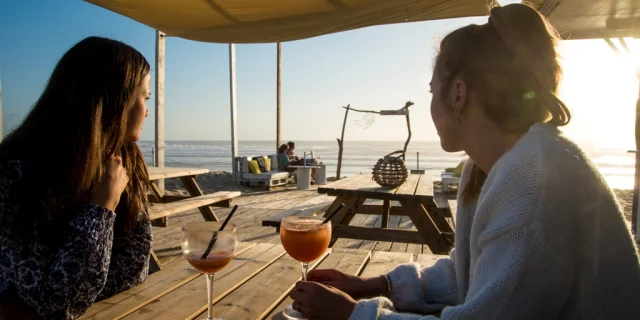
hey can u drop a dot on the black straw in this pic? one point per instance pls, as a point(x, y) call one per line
point(333, 214)
point(214, 238)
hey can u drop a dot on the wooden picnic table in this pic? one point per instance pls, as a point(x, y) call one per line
point(414, 199)
point(188, 178)
point(255, 285)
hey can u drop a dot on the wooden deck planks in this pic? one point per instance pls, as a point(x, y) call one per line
point(158, 284)
point(262, 292)
point(181, 302)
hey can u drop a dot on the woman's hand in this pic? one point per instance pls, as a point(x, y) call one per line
point(113, 182)
point(354, 286)
point(317, 301)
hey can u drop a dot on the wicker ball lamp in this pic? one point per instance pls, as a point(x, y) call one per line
point(391, 170)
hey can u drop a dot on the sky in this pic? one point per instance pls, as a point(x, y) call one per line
point(372, 68)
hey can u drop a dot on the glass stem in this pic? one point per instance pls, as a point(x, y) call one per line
point(305, 269)
point(209, 295)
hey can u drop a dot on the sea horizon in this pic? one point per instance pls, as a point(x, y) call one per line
point(615, 163)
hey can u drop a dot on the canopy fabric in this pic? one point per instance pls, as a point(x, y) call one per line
point(593, 19)
point(261, 21)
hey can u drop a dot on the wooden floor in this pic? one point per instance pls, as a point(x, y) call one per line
point(254, 207)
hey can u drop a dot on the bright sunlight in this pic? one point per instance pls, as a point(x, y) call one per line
point(601, 89)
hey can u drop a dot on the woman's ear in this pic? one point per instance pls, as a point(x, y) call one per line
point(459, 96)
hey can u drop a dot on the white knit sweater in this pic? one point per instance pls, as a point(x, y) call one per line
point(546, 239)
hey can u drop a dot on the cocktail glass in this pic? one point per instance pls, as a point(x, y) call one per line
point(305, 239)
point(196, 238)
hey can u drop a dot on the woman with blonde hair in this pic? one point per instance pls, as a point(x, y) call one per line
point(74, 227)
point(539, 233)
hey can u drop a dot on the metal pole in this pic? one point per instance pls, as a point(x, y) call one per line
point(278, 95)
point(159, 92)
point(233, 103)
point(418, 160)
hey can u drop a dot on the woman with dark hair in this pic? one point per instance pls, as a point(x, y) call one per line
point(539, 233)
point(74, 226)
point(283, 159)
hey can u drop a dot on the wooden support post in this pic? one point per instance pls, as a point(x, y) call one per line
point(159, 92)
point(233, 103)
point(341, 142)
point(0, 111)
point(278, 95)
point(635, 215)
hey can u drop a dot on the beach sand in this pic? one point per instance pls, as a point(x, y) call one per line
point(223, 181)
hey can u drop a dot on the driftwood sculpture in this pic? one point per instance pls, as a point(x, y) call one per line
point(367, 121)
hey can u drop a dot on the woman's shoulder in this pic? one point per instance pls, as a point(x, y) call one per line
point(544, 170)
point(546, 156)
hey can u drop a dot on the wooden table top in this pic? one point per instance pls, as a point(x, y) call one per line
point(255, 285)
point(416, 187)
point(156, 173)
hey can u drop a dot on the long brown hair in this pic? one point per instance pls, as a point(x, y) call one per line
point(78, 122)
point(512, 66)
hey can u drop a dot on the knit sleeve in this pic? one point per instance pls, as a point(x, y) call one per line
point(515, 277)
point(381, 308)
point(129, 264)
point(424, 290)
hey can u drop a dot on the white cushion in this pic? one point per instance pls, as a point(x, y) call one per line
point(265, 176)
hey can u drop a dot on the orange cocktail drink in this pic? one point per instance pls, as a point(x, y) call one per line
point(213, 263)
point(305, 239)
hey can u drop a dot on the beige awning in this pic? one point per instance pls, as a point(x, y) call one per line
point(593, 19)
point(259, 21)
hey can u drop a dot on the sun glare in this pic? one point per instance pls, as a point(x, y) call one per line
point(601, 88)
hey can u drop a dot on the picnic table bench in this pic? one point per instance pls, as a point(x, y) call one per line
point(414, 198)
point(169, 205)
point(255, 285)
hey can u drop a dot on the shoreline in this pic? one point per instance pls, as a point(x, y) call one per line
point(223, 181)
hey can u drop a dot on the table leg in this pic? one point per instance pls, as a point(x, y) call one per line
point(160, 222)
point(386, 208)
point(154, 263)
point(438, 215)
point(345, 215)
point(426, 227)
point(303, 178)
point(194, 190)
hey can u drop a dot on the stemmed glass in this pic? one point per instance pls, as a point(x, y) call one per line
point(305, 239)
point(197, 238)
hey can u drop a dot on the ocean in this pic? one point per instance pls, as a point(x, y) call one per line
point(359, 156)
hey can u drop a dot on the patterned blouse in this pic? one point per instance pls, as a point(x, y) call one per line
point(91, 263)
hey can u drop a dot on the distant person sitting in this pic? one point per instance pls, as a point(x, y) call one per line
point(285, 164)
point(293, 158)
point(283, 159)
point(291, 153)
